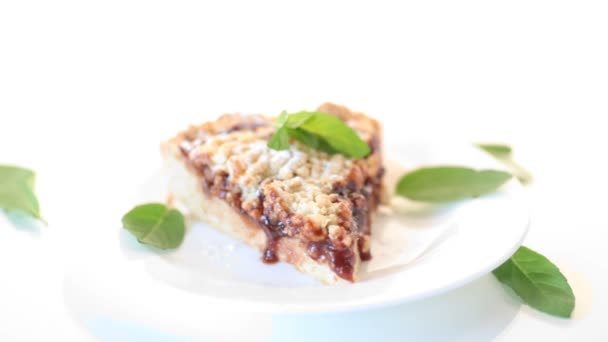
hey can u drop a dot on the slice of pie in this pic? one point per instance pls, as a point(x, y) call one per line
point(301, 206)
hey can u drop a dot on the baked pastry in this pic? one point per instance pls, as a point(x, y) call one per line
point(301, 206)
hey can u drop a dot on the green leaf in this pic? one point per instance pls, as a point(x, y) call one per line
point(320, 131)
point(538, 282)
point(280, 139)
point(497, 150)
point(298, 119)
point(282, 119)
point(11, 174)
point(156, 225)
point(17, 191)
point(504, 154)
point(449, 183)
point(311, 140)
point(337, 134)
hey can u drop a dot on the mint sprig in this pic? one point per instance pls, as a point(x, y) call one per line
point(319, 131)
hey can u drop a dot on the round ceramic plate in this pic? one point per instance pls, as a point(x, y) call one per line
point(419, 251)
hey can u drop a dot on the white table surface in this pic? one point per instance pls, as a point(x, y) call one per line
point(76, 78)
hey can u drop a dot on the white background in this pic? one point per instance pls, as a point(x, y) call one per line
point(78, 79)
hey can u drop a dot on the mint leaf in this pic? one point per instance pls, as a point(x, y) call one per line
point(320, 131)
point(11, 174)
point(156, 225)
point(282, 119)
point(280, 139)
point(497, 150)
point(17, 191)
point(296, 120)
point(311, 140)
point(449, 183)
point(538, 282)
point(504, 154)
point(337, 134)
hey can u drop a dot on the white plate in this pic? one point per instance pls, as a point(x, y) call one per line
point(211, 269)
